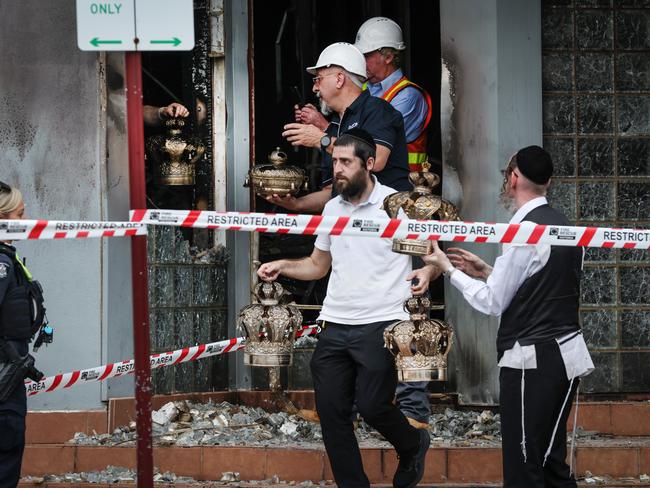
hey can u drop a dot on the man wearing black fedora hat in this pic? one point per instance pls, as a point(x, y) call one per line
point(541, 352)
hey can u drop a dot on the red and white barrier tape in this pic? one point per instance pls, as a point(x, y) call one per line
point(524, 233)
point(171, 358)
point(16, 230)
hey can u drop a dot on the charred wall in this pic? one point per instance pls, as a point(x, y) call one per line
point(53, 148)
point(490, 106)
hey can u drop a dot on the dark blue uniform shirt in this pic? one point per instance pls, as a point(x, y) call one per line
point(17, 401)
point(386, 125)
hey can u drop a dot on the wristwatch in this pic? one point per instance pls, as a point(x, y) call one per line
point(325, 142)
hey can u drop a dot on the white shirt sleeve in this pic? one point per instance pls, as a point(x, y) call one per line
point(323, 242)
point(511, 269)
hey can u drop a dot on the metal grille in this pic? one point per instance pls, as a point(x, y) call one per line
point(187, 288)
point(596, 110)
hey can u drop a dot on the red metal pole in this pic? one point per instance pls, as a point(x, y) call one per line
point(137, 194)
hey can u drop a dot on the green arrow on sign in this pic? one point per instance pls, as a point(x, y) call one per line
point(175, 41)
point(96, 42)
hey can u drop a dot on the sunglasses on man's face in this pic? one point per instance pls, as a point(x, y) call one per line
point(4, 187)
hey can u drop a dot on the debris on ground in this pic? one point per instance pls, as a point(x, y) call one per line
point(465, 425)
point(112, 474)
point(186, 423)
point(590, 479)
point(115, 475)
point(229, 477)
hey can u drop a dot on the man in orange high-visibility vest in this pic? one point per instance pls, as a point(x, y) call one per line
point(380, 40)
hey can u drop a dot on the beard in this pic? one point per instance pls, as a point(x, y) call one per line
point(506, 200)
point(324, 108)
point(353, 187)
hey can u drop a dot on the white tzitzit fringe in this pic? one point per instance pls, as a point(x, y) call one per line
point(573, 434)
point(523, 428)
point(557, 423)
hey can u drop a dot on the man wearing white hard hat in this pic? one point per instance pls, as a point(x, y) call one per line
point(339, 75)
point(381, 42)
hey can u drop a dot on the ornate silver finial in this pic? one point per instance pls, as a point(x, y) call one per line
point(270, 326)
point(420, 345)
point(420, 204)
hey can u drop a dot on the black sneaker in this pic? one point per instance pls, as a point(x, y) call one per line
point(411, 466)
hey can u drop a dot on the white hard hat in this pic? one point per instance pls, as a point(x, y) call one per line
point(379, 32)
point(341, 54)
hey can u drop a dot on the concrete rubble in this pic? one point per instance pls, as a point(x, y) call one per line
point(592, 480)
point(115, 474)
point(184, 423)
point(112, 474)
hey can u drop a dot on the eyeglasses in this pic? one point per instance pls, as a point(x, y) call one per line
point(4, 187)
point(510, 170)
point(316, 79)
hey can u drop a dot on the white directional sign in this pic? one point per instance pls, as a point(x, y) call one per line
point(135, 25)
point(106, 26)
point(164, 25)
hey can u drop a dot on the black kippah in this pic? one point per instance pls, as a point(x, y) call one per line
point(362, 135)
point(535, 164)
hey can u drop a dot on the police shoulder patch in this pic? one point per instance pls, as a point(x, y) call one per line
point(3, 270)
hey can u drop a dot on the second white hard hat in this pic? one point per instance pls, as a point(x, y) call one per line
point(379, 32)
point(341, 54)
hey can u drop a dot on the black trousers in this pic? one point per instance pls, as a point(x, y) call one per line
point(413, 400)
point(349, 358)
point(544, 393)
point(12, 445)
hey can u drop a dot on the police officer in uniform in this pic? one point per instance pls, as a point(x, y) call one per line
point(21, 316)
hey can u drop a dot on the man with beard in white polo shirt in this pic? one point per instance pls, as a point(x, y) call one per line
point(366, 292)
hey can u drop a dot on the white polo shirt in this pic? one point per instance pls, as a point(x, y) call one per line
point(368, 281)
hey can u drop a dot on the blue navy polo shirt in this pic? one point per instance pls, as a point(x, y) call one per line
point(386, 125)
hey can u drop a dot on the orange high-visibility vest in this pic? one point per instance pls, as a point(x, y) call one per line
point(417, 149)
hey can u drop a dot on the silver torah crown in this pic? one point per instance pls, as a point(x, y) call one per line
point(270, 327)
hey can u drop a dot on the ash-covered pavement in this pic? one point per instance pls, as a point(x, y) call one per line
point(116, 474)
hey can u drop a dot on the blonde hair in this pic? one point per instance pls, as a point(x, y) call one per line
point(10, 201)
